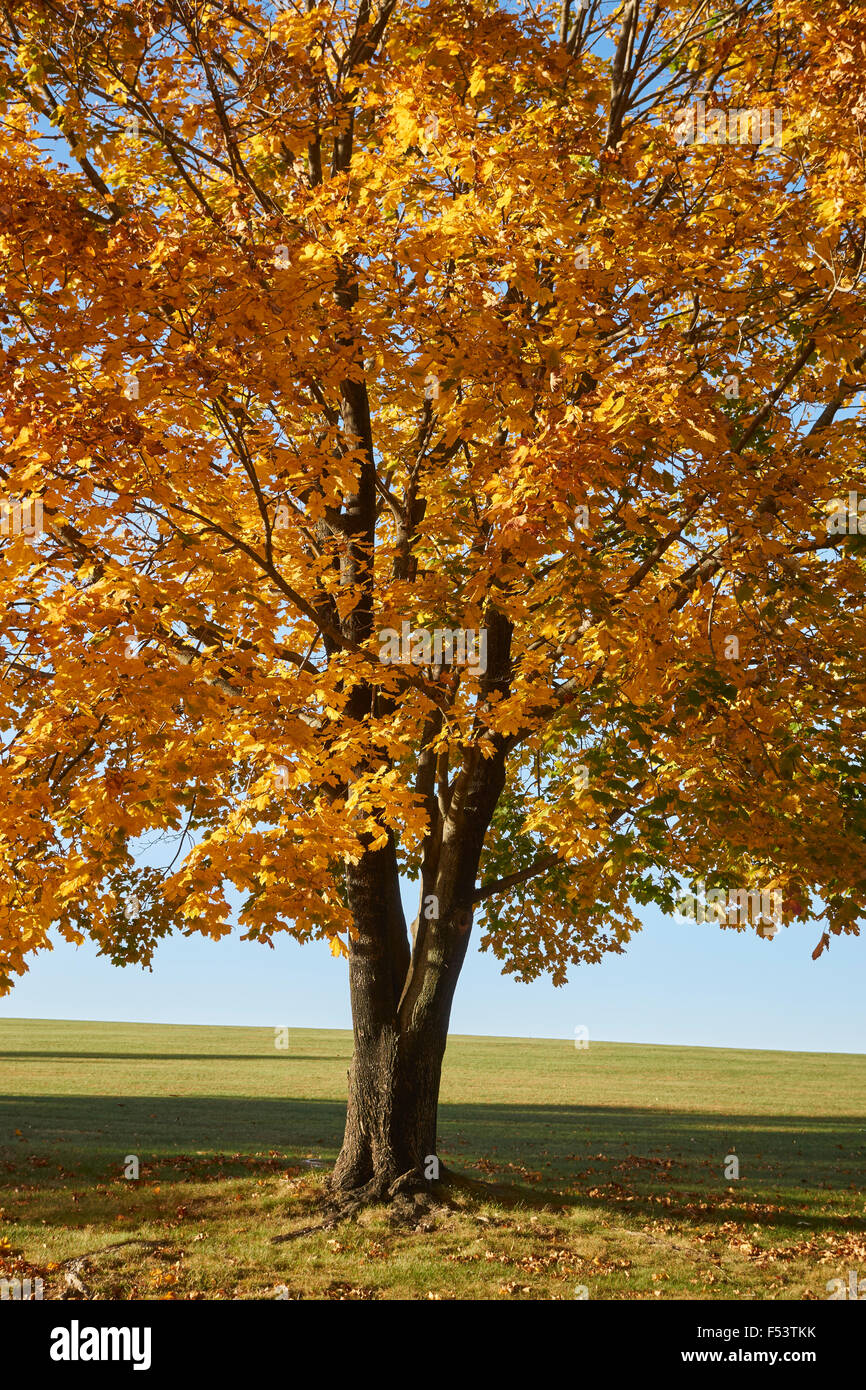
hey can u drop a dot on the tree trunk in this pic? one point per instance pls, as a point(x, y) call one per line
point(401, 999)
point(401, 1007)
point(391, 1118)
point(396, 1068)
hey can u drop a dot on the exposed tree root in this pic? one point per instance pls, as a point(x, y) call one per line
point(410, 1200)
point(415, 1201)
point(73, 1268)
point(327, 1225)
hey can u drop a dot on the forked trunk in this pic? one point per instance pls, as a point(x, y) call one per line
point(400, 1026)
point(401, 998)
point(399, 1044)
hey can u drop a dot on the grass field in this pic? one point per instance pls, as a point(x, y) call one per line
point(614, 1159)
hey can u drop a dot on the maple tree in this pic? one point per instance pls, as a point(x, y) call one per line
point(332, 321)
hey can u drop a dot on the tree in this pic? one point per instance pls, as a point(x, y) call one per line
point(436, 438)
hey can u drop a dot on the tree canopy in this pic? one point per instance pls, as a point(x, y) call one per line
point(331, 322)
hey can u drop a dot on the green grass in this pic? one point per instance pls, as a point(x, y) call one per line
point(614, 1157)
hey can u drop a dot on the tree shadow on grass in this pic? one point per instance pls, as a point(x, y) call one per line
point(275, 1055)
point(623, 1159)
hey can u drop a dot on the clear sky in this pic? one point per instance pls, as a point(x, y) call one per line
point(676, 983)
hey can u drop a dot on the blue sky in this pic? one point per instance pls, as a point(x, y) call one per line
point(677, 983)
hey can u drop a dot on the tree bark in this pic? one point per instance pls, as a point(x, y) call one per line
point(395, 1071)
point(391, 1118)
point(401, 999)
point(401, 1007)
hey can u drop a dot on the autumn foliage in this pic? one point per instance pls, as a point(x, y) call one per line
point(321, 321)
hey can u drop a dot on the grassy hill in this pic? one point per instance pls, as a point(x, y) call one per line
point(613, 1161)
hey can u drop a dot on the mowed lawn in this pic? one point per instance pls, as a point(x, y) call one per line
point(608, 1165)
